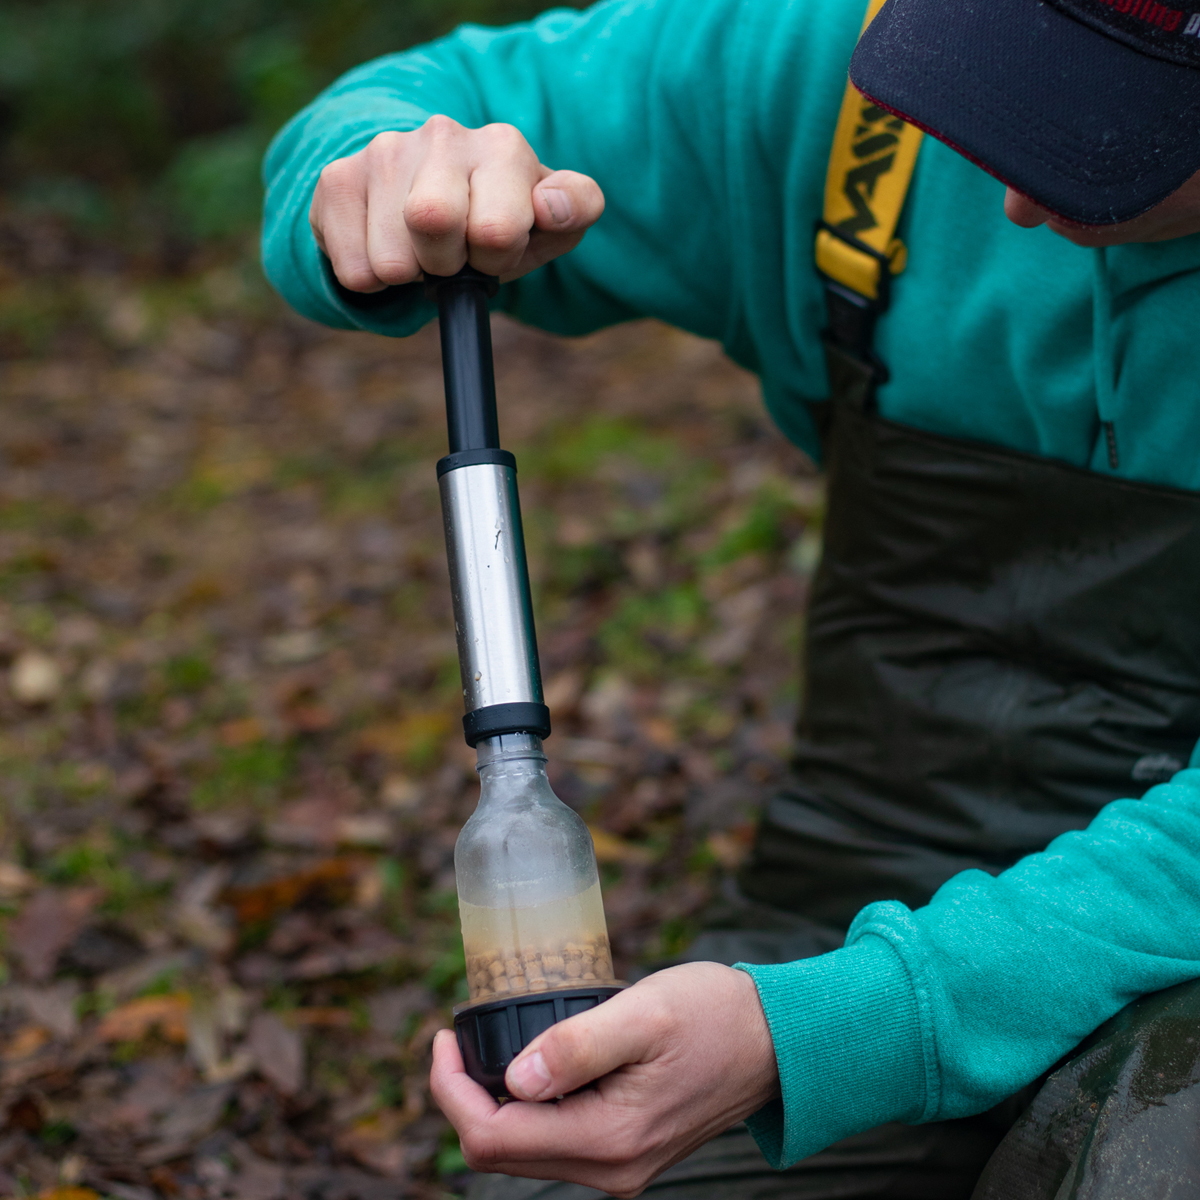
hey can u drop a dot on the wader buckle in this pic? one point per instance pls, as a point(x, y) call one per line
point(855, 370)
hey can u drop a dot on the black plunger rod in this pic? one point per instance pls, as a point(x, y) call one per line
point(467, 357)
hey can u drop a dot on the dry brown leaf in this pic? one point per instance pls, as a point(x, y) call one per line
point(25, 1043)
point(47, 925)
point(35, 678)
point(278, 1052)
point(14, 880)
point(68, 1193)
point(312, 823)
point(374, 1141)
point(133, 1021)
point(730, 847)
point(411, 734)
point(336, 877)
point(242, 732)
point(612, 849)
point(320, 1018)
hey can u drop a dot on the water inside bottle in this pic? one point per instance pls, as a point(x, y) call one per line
point(562, 943)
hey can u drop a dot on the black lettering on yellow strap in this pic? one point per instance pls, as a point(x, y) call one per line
point(870, 167)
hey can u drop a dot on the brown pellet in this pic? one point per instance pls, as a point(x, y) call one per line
point(537, 970)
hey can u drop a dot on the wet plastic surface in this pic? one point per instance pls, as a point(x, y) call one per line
point(1120, 1120)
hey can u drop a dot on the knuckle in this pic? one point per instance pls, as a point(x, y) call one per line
point(432, 215)
point(387, 142)
point(337, 173)
point(479, 1151)
point(441, 127)
point(506, 137)
point(394, 270)
point(496, 233)
point(358, 277)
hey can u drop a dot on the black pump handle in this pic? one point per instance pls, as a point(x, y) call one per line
point(467, 357)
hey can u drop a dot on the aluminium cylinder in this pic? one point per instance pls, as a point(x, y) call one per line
point(489, 583)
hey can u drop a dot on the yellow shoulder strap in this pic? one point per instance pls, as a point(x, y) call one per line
point(870, 166)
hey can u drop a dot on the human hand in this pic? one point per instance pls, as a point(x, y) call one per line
point(1176, 216)
point(442, 195)
point(678, 1057)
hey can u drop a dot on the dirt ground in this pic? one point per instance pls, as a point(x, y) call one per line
point(231, 762)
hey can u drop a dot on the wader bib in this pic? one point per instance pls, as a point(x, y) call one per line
point(997, 646)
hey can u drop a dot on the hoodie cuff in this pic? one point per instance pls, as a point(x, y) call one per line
point(847, 1033)
point(394, 312)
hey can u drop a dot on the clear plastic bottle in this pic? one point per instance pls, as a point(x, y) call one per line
point(528, 888)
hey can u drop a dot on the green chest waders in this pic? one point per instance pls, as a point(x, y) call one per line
point(997, 645)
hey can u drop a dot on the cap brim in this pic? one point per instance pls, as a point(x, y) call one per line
point(1083, 125)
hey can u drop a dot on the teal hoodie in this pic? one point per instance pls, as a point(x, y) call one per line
point(708, 123)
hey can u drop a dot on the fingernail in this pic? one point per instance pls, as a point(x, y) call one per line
point(528, 1076)
point(559, 204)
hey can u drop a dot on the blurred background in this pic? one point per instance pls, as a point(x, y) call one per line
point(231, 763)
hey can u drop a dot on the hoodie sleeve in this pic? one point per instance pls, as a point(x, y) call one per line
point(944, 1011)
point(629, 92)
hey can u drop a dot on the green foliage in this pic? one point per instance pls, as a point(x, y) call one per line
point(101, 864)
point(115, 109)
point(649, 631)
point(187, 673)
point(448, 972)
point(250, 773)
point(450, 1160)
point(579, 450)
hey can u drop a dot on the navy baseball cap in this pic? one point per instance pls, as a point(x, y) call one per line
point(1091, 108)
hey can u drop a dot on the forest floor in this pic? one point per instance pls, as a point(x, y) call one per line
point(231, 762)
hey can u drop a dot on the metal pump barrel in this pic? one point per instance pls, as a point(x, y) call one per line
point(489, 577)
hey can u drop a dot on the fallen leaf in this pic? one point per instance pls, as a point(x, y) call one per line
point(52, 1007)
point(133, 1021)
point(47, 925)
point(35, 678)
point(390, 1010)
point(14, 880)
point(335, 877)
point(309, 824)
point(68, 1193)
point(364, 829)
point(365, 949)
point(278, 1053)
point(293, 647)
point(242, 732)
point(320, 1018)
point(415, 738)
point(309, 718)
point(25, 1113)
point(374, 1141)
point(591, 751)
point(562, 692)
point(401, 794)
point(187, 1121)
point(612, 849)
point(259, 1180)
point(731, 847)
point(25, 1043)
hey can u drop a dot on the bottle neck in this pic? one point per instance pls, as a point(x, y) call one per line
point(509, 756)
point(509, 748)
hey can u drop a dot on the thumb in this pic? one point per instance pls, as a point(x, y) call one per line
point(567, 202)
point(583, 1048)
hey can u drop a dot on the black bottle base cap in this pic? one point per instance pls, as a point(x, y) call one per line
point(492, 1034)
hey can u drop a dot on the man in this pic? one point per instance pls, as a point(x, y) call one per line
point(1003, 653)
